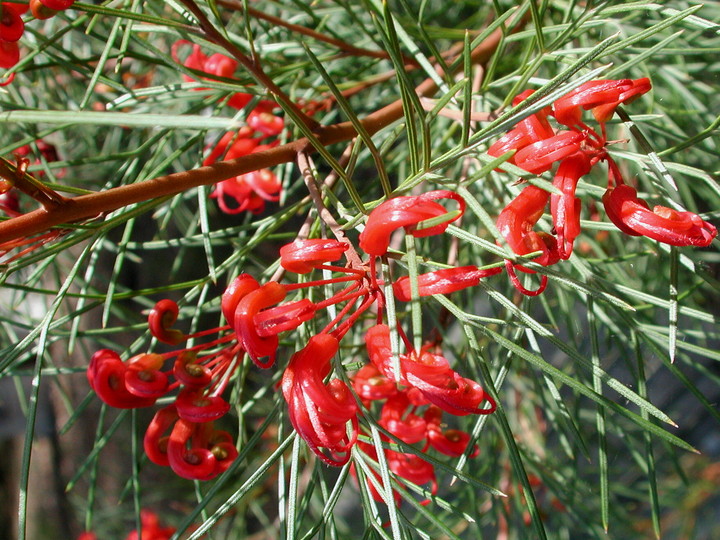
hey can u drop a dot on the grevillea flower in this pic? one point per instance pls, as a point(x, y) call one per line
point(320, 411)
point(11, 23)
point(197, 451)
point(540, 156)
point(402, 422)
point(444, 281)
point(633, 216)
point(160, 321)
point(106, 375)
point(371, 385)
point(407, 212)
point(430, 374)
point(451, 442)
point(565, 208)
point(516, 223)
point(249, 192)
point(304, 256)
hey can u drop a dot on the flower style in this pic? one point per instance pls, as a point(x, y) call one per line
point(319, 412)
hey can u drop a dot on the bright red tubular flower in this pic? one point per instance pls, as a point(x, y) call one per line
point(11, 24)
point(603, 113)
point(187, 457)
point(250, 191)
point(303, 256)
point(633, 216)
point(413, 468)
point(443, 387)
point(565, 208)
point(540, 156)
point(443, 281)
point(161, 319)
point(428, 373)
point(567, 109)
point(406, 426)
point(245, 327)
point(189, 372)
point(236, 291)
point(196, 407)
point(407, 212)
point(155, 441)
point(516, 221)
point(319, 412)
point(106, 375)
point(372, 385)
point(272, 321)
point(451, 442)
point(233, 145)
point(143, 376)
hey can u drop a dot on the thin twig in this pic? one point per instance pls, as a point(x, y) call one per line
point(88, 206)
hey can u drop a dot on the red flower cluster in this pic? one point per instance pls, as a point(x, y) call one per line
point(193, 448)
point(250, 191)
point(324, 412)
point(423, 379)
point(12, 26)
point(577, 149)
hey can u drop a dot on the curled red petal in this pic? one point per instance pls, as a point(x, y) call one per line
point(196, 407)
point(451, 442)
point(155, 441)
point(161, 319)
point(516, 221)
point(565, 208)
point(11, 24)
point(193, 463)
point(568, 109)
point(272, 321)
point(302, 256)
point(407, 212)
point(319, 412)
point(540, 156)
point(372, 385)
point(106, 375)
point(443, 281)
point(189, 372)
point(244, 325)
point(220, 65)
point(236, 291)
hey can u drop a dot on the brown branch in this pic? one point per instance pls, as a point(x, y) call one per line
point(88, 206)
point(305, 31)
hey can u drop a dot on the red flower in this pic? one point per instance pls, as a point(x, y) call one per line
point(443, 281)
point(407, 212)
point(371, 385)
point(633, 216)
point(565, 208)
point(250, 191)
point(516, 221)
point(404, 424)
point(540, 156)
point(106, 374)
point(429, 373)
point(303, 256)
point(319, 412)
point(150, 528)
